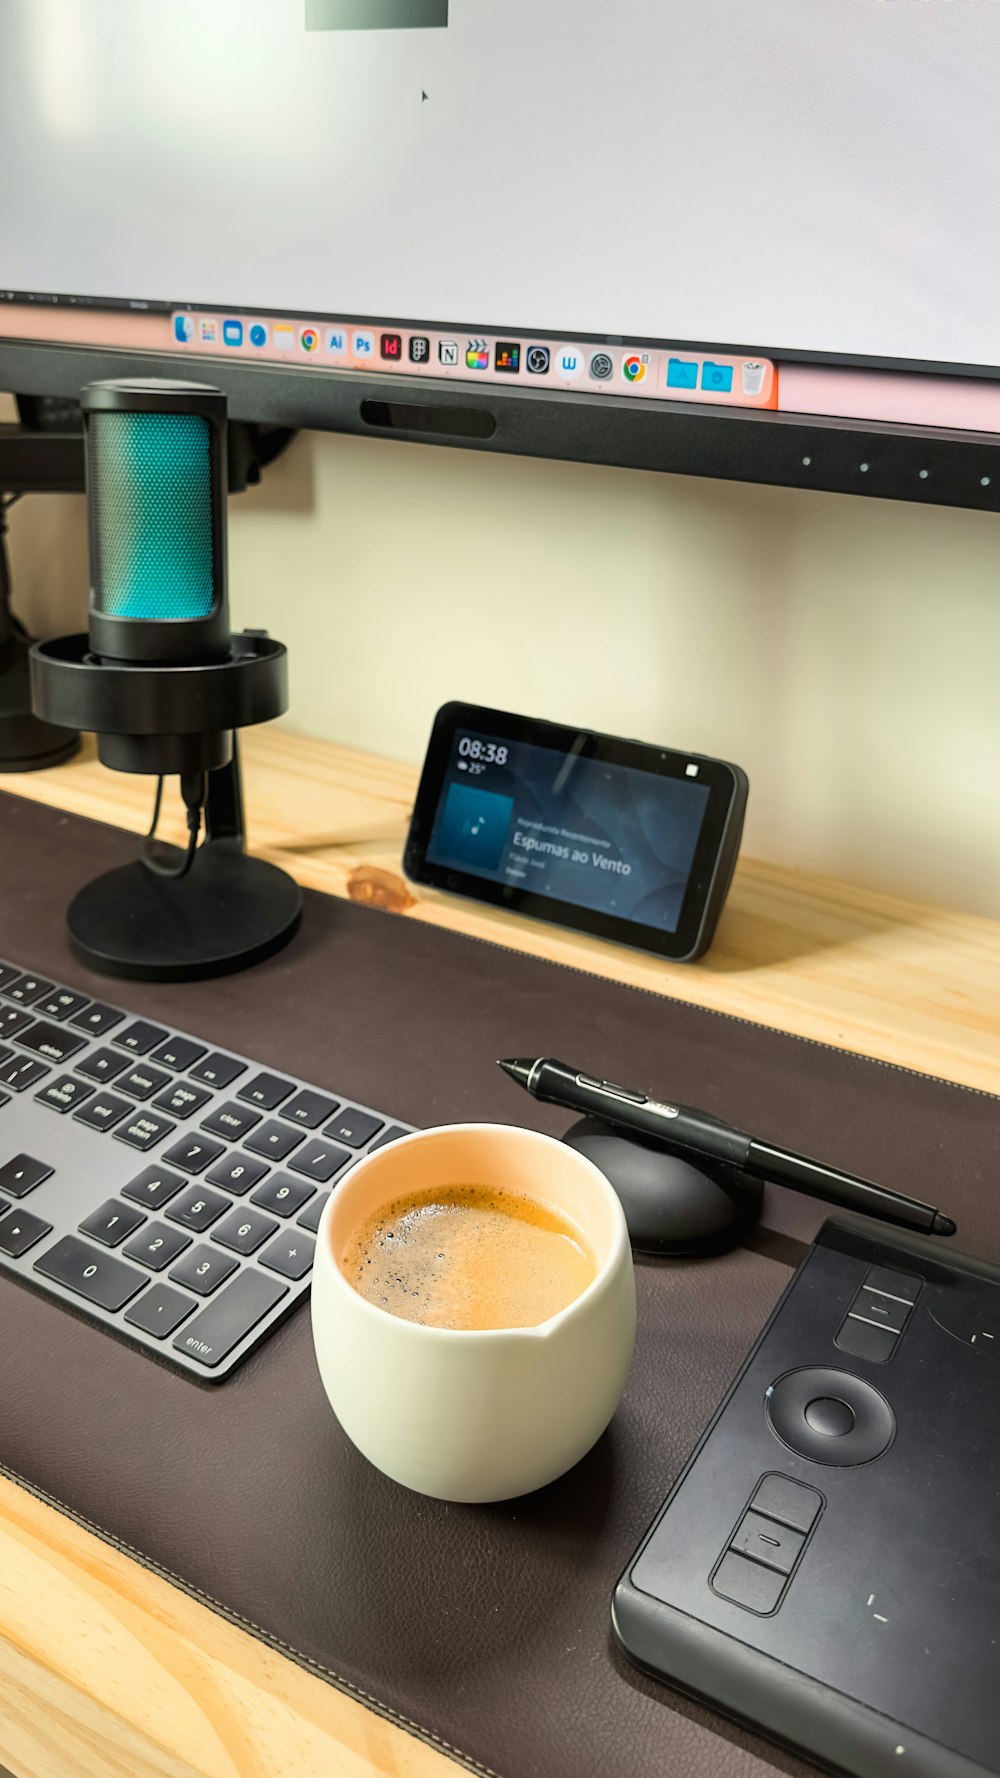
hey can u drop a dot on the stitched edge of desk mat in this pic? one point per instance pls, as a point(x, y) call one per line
point(328, 1674)
point(712, 1012)
point(700, 1372)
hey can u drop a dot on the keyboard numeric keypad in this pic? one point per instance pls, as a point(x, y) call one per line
point(210, 1241)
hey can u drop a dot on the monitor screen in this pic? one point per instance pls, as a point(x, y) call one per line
point(688, 202)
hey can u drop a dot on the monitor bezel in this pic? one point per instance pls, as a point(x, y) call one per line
point(925, 465)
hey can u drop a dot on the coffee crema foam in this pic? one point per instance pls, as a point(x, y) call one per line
point(467, 1257)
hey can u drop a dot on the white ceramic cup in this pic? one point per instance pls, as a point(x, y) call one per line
point(491, 1413)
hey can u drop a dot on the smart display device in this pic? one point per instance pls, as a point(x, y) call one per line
point(612, 837)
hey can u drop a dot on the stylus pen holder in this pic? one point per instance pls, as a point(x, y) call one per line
point(675, 1204)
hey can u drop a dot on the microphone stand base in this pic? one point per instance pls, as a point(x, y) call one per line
point(229, 912)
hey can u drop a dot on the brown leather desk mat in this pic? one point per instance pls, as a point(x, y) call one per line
point(482, 1629)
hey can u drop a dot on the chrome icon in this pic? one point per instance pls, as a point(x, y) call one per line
point(309, 339)
point(634, 367)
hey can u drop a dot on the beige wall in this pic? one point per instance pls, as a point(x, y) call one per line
point(846, 652)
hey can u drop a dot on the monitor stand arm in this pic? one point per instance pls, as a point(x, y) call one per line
point(25, 742)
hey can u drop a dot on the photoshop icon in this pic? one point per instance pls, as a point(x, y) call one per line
point(375, 15)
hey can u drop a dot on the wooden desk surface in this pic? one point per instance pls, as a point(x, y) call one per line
point(107, 1671)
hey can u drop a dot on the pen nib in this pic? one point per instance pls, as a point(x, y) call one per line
point(518, 1070)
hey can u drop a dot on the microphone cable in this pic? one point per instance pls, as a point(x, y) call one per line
point(194, 789)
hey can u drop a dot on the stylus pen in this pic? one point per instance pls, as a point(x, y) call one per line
point(681, 1126)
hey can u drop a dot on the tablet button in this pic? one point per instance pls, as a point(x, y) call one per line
point(892, 1283)
point(747, 1583)
point(863, 1340)
point(768, 1542)
point(791, 1502)
point(829, 1416)
point(797, 1400)
point(884, 1311)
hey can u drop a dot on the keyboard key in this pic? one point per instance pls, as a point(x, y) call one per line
point(4, 1098)
point(26, 989)
point(97, 1019)
point(51, 1041)
point(21, 1175)
point(63, 1093)
point(193, 1153)
point(156, 1245)
point(312, 1212)
point(237, 1172)
point(103, 1112)
point(143, 1081)
point(354, 1127)
point(61, 1005)
point(183, 1099)
point(8, 973)
point(12, 1020)
point(392, 1134)
point(273, 1140)
point(22, 1072)
point(159, 1310)
point(229, 1317)
point(178, 1053)
point(111, 1223)
point(100, 1277)
point(154, 1186)
point(18, 1232)
point(145, 1130)
point(266, 1090)
point(231, 1120)
point(309, 1109)
point(217, 1070)
point(244, 1230)
point(140, 1037)
point(320, 1160)
point(102, 1065)
point(289, 1254)
point(198, 1208)
point(204, 1269)
point(282, 1194)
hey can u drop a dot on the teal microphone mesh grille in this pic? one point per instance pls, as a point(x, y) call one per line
point(149, 480)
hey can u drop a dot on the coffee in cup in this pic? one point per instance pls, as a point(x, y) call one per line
point(468, 1256)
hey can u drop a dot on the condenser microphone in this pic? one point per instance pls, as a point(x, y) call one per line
point(156, 494)
point(155, 455)
point(164, 684)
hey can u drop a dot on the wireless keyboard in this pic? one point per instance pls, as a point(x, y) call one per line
point(170, 1191)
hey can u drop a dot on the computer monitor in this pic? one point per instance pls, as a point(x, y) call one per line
point(738, 240)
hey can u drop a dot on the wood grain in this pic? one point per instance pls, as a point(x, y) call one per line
point(915, 985)
point(107, 1671)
